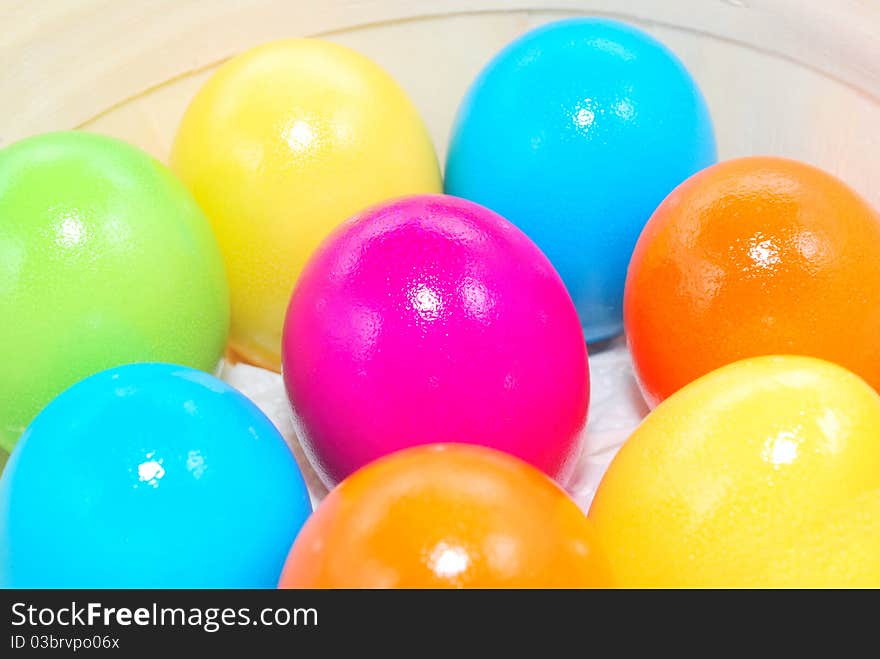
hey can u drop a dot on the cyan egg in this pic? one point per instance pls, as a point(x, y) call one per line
point(149, 476)
point(576, 132)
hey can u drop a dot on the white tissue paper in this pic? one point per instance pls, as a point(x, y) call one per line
point(616, 408)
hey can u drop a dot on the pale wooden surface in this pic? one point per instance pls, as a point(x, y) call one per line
point(791, 77)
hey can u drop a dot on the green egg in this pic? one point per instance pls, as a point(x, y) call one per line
point(105, 259)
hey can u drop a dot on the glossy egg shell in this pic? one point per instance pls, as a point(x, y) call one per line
point(427, 319)
point(758, 474)
point(754, 256)
point(280, 145)
point(149, 476)
point(447, 516)
point(844, 551)
point(575, 132)
point(105, 259)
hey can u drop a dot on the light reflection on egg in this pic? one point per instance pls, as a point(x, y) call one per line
point(149, 475)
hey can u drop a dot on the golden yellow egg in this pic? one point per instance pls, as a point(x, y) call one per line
point(280, 145)
point(763, 473)
point(843, 552)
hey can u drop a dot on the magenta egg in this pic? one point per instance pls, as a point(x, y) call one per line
point(432, 319)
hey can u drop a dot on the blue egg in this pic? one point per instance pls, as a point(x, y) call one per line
point(576, 132)
point(149, 476)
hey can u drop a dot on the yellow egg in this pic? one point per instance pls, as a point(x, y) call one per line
point(759, 474)
point(279, 146)
point(843, 552)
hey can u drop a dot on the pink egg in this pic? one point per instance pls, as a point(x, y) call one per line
point(432, 319)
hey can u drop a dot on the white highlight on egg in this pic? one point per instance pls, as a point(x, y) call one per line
point(71, 231)
point(195, 463)
point(299, 135)
point(476, 299)
point(426, 301)
point(831, 426)
point(448, 560)
point(584, 117)
point(151, 471)
point(612, 47)
point(808, 244)
point(781, 449)
point(764, 253)
point(624, 109)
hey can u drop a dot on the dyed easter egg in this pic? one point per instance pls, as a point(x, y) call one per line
point(149, 476)
point(844, 551)
point(430, 319)
point(105, 259)
point(764, 473)
point(754, 256)
point(447, 516)
point(284, 142)
point(575, 132)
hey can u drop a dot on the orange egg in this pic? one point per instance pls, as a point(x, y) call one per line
point(446, 516)
point(749, 257)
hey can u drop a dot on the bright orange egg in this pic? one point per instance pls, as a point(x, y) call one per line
point(446, 516)
point(749, 257)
